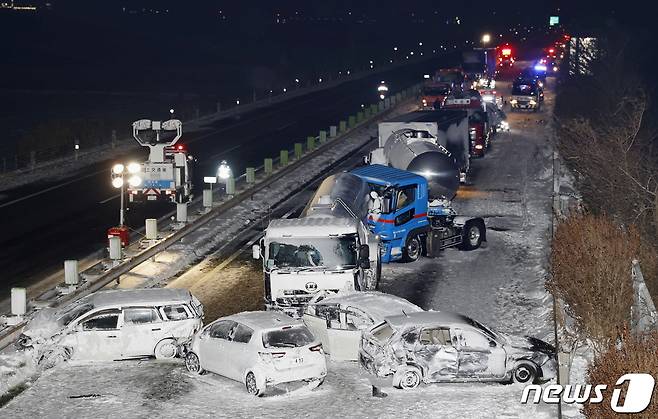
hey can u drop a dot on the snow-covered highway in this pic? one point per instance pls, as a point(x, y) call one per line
point(501, 285)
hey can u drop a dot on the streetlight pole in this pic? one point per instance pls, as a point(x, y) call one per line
point(485, 40)
point(121, 212)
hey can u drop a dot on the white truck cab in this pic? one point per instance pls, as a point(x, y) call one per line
point(302, 256)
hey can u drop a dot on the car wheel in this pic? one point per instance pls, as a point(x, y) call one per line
point(193, 364)
point(412, 249)
point(524, 373)
point(252, 385)
point(472, 236)
point(166, 349)
point(407, 378)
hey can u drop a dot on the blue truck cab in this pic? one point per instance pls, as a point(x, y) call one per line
point(407, 224)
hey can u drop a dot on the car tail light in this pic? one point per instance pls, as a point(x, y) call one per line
point(269, 356)
point(316, 348)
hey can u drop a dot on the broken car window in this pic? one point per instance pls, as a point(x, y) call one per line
point(435, 336)
point(383, 332)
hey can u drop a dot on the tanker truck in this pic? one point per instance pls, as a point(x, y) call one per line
point(430, 143)
point(328, 248)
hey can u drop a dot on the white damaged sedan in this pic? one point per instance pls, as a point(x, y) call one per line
point(442, 347)
point(260, 349)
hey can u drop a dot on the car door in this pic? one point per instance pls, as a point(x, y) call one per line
point(344, 341)
point(326, 317)
point(237, 351)
point(97, 336)
point(480, 357)
point(141, 330)
point(436, 352)
point(212, 346)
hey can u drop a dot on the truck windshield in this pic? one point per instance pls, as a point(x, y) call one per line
point(317, 252)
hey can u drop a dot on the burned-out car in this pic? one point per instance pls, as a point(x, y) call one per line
point(337, 320)
point(428, 347)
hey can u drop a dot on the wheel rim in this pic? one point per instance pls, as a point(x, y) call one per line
point(413, 248)
point(474, 236)
point(523, 374)
point(252, 388)
point(167, 350)
point(410, 379)
point(192, 363)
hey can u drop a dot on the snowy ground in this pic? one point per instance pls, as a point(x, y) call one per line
point(501, 285)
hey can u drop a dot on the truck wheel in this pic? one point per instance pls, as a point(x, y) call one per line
point(412, 249)
point(472, 236)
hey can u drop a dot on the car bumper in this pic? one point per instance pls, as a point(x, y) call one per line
point(305, 373)
point(376, 376)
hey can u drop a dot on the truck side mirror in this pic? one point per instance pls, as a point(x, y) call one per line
point(364, 256)
point(255, 251)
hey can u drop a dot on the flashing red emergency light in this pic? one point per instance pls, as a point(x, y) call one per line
point(551, 50)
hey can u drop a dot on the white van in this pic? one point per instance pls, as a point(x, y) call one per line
point(115, 324)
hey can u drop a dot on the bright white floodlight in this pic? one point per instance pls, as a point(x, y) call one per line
point(118, 168)
point(117, 182)
point(224, 171)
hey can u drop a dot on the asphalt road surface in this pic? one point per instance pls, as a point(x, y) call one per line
point(47, 222)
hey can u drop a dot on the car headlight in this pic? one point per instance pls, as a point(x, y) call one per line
point(532, 102)
point(513, 101)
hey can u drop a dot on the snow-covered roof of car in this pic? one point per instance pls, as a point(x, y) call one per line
point(375, 304)
point(311, 227)
point(126, 297)
point(263, 319)
point(439, 318)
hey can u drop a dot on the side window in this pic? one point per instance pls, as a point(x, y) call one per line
point(140, 315)
point(104, 320)
point(242, 334)
point(357, 319)
point(405, 196)
point(435, 336)
point(176, 312)
point(222, 329)
point(473, 339)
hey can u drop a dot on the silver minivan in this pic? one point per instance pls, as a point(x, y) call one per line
point(115, 324)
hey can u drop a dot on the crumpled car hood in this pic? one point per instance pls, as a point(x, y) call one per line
point(44, 324)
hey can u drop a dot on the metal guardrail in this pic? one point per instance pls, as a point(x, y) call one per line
point(9, 334)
